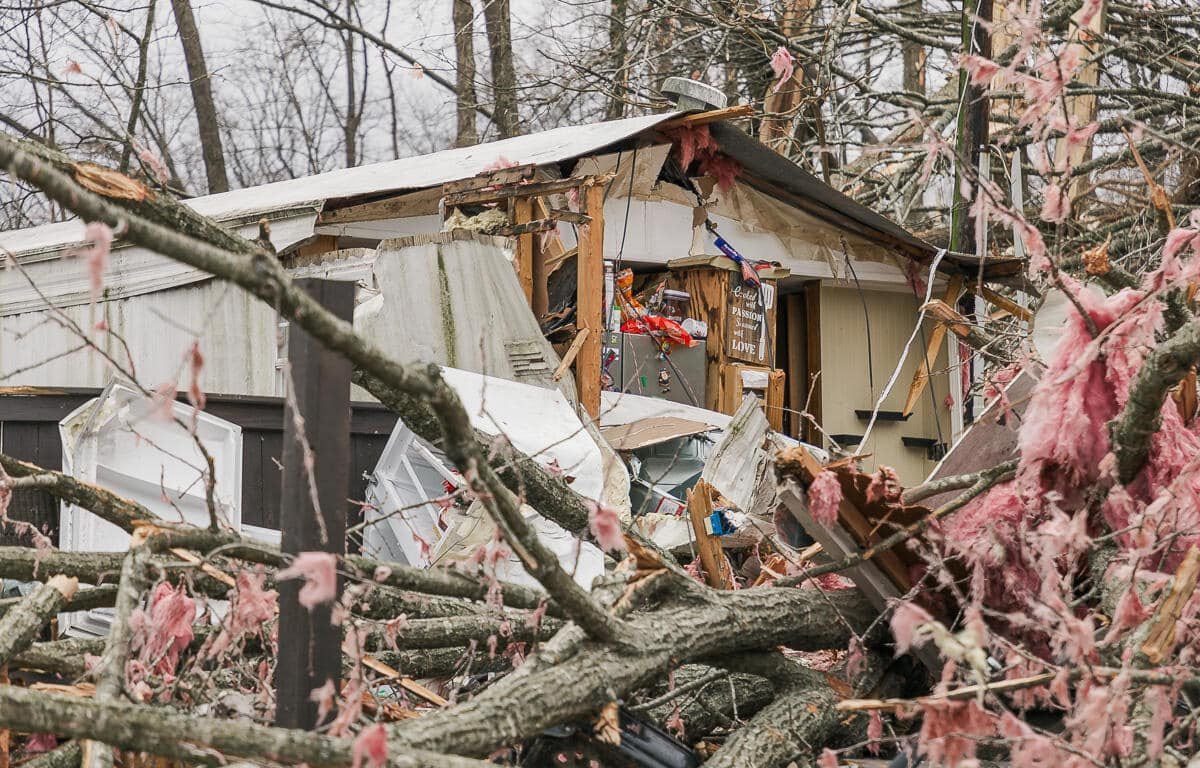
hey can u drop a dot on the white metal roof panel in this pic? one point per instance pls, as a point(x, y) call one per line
point(417, 172)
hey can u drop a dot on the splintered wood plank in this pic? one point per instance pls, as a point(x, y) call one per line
point(774, 400)
point(549, 251)
point(716, 568)
point(1161, 637)
point(1003, 302)
point(708, 288)
point(936, 337)
point(486, 179)
point(854, 522)
point(572, 353)
point(522, 215)
point(589, 306)
point(711, 116)
point(506, 192)
point(407, 683)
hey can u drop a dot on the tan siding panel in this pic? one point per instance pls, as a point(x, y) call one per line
point(846, 385)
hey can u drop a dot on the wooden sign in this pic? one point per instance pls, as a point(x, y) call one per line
point(748, 329)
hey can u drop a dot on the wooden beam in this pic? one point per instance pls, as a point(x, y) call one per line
point(422, 203)
point(1083, 107)
point(526, 228)
point(572, 353)
point(716, 568)
point(500, 177)
point(704, 118)
point(589, 303)
point(309, 643)
point(934, 345)
point(1002, 302)
point(317, 246)
point(407, 683)
point(957, 324)
point(536, 188)
point(522, 209)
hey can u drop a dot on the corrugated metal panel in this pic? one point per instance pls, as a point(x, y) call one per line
point(237, 334)
point(454, 298)
point(845, 383)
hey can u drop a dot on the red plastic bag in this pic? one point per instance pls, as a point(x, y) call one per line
point(660, 327)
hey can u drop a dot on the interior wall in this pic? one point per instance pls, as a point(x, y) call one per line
point(846, 382)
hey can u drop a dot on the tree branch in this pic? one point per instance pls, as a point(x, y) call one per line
point(1133, 430)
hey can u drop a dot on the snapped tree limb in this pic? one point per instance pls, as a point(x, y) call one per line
point(20, 625)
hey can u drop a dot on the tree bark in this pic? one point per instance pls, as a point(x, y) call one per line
point(160, 731)
point(21, 625)
point(139, 87)
point(539, 695)
point(60, 657)
point(801, 717)
point(618, 46)
point(464, 57)
point(498, 20)
point(202, 97)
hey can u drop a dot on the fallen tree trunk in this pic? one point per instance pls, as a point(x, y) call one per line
point(801, 716)
point(84, 600)
point(21, 625)
point(190, 738)
point(60, 657)
point(539, 695)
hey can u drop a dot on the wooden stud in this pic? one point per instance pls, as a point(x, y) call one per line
point(522, 208)
point(309, 643)
point(716, 568)
point(933, 347)
point(572, 353)
point(407, 683)
point(708, 287)
point(812, 308)
point(589, 306)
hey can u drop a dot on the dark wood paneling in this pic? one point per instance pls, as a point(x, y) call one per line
point(39, 443)
point(29, 431)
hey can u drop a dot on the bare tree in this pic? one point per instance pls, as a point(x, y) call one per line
point(464, 81)
point(498, 21)
point(207, 119)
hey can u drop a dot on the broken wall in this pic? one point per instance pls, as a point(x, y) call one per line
point(846, 383)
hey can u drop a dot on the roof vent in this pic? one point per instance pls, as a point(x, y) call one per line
point(693, 94)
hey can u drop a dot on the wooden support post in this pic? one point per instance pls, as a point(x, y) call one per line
point(934, 346)
point(309, 644)
point(545, 248)
point(774, 399)
point(589, 307)
point(812, 330)
point(522, 214)
point(716, 567)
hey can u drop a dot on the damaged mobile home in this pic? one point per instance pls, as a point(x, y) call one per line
point(612, 298)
